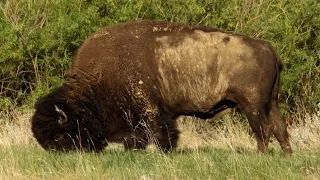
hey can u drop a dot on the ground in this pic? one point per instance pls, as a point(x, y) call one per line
point(224, 152)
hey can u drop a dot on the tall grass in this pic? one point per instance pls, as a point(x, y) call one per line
point(205, 151)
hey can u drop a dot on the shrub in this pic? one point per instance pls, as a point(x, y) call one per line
point(38, 38)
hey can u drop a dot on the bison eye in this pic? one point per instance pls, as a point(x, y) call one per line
point(58, 137)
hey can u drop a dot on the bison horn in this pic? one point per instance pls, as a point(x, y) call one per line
point(63, 117)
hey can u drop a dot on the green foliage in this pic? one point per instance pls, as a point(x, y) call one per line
point(38, 38)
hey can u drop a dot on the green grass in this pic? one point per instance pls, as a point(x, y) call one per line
point(204, 152)
point(228, 152)
point(114, 163)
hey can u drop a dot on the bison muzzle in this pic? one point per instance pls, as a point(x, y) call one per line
point(130, 82)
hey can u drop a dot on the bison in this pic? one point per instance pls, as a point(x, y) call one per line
point(129, 82)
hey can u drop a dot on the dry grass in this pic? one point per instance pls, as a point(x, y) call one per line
point(233, 135)
point(307, 137)
point(22, 158)
point(195, 133)
point(15, 129)
point(198, 133)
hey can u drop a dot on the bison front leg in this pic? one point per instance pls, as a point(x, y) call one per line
point(167, 134)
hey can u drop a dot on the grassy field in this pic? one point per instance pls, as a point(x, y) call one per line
point(227, 152)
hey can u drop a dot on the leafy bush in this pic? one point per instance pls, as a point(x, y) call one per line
point(38, 38)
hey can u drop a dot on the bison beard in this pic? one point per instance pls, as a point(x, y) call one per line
point(129, 83)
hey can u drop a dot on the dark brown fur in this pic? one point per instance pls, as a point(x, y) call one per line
point(129, 82)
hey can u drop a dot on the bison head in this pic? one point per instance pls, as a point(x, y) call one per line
point(65, 124)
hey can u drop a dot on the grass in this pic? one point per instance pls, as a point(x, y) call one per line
point(203, 163)
point(227, 152)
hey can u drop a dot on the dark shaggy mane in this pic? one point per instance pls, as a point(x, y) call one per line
point(80, 106)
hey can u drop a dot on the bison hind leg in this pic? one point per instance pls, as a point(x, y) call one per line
point(279, 128)
point(260, 125)
point(263, 121)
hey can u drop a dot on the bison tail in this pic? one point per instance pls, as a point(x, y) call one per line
point(280, 66)
point(277, 58)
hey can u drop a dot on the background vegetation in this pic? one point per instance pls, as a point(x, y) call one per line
point(38, 39)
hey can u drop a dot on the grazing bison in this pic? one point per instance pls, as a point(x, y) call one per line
point(129, 82)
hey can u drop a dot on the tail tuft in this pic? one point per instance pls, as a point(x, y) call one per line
point(280, 65)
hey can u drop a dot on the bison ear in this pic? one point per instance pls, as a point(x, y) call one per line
point(62, 116)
